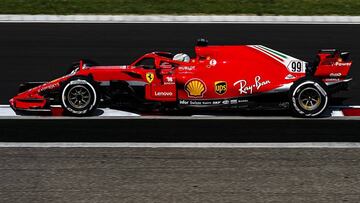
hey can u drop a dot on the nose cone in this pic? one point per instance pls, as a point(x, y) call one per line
point(12, 102)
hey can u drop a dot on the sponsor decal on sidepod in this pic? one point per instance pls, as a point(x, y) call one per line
point(195, 88)
point(186, 68)
point(169, 80)
point(245, 88)
point(163, 94)
point(220, 87)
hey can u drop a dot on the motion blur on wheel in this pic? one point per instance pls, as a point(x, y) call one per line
point(218, 77)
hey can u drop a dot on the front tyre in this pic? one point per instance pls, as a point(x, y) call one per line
point(308, 98)
point(79, 97)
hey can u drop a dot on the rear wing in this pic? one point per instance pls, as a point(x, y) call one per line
point(332, 63)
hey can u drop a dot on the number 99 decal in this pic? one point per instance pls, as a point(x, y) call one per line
point(296, 66)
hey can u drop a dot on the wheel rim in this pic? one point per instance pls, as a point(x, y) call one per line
point(79, 96)
point(309, 99)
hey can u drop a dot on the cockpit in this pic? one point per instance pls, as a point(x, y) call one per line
point(161, 60)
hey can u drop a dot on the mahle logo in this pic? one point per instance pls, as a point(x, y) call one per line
point(220, 87)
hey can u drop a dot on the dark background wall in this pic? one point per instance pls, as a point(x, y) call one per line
point(38, 52)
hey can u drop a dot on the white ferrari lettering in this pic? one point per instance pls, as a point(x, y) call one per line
point(49, 87)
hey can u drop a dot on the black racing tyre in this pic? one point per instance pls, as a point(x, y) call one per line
point(308, 97)
point(79, 96)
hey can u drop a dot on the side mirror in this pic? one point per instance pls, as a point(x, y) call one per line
point(202, 42)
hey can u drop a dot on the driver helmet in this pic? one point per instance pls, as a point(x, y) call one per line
point(181, 57)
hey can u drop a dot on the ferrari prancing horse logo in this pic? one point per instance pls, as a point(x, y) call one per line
point(149, 77)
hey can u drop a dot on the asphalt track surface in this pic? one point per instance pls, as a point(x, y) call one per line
point(179, 175)
point(43, 51)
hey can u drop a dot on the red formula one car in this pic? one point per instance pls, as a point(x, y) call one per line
point(247, 76)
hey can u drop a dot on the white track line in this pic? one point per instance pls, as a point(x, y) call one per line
point(335, 113)
point(236, 19)
point(180, 145)
point(6, 111)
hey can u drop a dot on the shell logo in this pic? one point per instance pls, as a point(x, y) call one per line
point(195, 88)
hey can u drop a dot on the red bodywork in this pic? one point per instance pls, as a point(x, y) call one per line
point(217, 75)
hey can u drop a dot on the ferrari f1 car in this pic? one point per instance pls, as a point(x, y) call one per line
point(218, 77)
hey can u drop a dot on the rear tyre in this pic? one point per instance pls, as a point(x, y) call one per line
point(308, 97)
point(79, 97)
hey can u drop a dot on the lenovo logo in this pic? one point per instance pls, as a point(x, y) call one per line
point(163, 94)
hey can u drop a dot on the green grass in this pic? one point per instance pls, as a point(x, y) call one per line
point(258, 7)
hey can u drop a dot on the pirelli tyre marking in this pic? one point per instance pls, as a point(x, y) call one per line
point(78, 83)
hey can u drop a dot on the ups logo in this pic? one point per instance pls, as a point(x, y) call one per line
point(220, 87)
